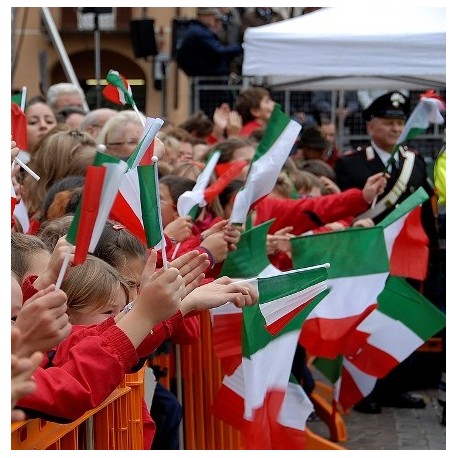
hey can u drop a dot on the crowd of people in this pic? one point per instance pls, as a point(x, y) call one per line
point(121, 305)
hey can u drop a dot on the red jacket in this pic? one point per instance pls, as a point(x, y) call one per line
point(308, 214)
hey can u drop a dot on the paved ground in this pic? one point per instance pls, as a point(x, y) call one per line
point(393, 429)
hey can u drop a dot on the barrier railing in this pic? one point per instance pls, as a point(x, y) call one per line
point(114, 425)
point(117, 423)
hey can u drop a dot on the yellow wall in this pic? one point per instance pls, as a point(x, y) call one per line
point(30, 38)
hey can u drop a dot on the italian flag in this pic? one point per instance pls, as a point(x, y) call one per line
point(403, 321)
point(260, 397)
point(144, 151)
point(100, 189)
point(406, 241)
point(127, 208)
point(358, 270)
point(428, 111)
point(18, 126)
point(189, 202)
point(271, 153)
point(118, 90)
point(150, 205)
point(249, 260)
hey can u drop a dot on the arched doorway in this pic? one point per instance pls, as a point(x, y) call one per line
point(84, 67)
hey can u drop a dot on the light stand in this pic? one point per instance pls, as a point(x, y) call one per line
point(96, 12)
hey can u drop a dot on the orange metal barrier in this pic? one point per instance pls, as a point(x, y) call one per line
point(114, 425)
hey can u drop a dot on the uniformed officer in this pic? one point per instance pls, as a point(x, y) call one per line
point(385, 119)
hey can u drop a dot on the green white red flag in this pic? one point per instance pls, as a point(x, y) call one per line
point(144, 151)
point(189, 201)
point(118, 90)
point(271, 153)
point(358, 262)
point(249, 260)
point(127, 208)
point(403, 321)
point(260, 397)
point(18, 127)
point(427, 112)
point(150, 205)
point(406, 240)
point(99, 191)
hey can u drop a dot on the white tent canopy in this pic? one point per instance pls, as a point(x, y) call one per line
point(350, 48)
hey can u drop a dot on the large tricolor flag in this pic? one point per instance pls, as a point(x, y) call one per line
point(358, 270)
point(271, 153)
point(99, 191)
point(403, 321)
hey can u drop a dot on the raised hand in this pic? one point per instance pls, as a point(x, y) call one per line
point(191, 266)
point(217, 293)
point(43, 321)
point(179, 229)
point(49, 276)
point(375, 185)
point(22, 368)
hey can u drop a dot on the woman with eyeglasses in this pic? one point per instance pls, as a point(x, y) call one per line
point(121, 134)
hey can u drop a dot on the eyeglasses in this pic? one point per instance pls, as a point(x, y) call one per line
point(128, 143)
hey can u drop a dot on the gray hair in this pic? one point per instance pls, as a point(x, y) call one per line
point(55, 90)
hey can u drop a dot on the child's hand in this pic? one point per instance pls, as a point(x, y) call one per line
point(160, 296)
point(216, 245)
point(217, 293)
point(49, 276)
point(192, 266)
point(43, 321)
point(179, 229)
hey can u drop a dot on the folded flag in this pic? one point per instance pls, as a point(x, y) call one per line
point(144, 150)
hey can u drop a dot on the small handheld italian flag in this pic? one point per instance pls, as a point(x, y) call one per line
point(99, 191)
point(19, 120)
point(189, 202)
point(428, 111)
point(271, 154)
point(118, 90)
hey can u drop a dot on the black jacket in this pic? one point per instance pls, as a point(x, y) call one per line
point(202, 53)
